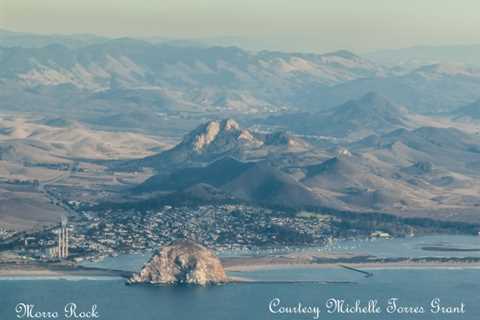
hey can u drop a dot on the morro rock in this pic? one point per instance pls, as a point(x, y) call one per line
point(182, 262)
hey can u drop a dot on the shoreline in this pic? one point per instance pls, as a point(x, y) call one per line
point(334, 261)
point(362, 266)
point(239, 265)
point(45, 270)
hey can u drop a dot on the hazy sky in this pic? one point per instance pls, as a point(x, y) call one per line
point(312, 25)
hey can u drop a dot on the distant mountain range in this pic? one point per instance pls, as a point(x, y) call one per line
point(216, 77)
point(143, 85)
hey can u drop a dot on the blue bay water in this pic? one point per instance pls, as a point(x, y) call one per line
point(399, 247)
point(116, 301)
point(413, 287)
point(413, 247)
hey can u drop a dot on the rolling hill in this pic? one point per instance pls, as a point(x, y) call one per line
point(469, 111)
point(354, 119)
point(449, 148)
point(255, 182)
point(54, 140)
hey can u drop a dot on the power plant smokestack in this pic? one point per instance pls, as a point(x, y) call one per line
point(62, 250)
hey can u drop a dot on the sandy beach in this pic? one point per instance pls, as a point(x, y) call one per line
point(365, 266)
point(247, 264)
point(54, 270)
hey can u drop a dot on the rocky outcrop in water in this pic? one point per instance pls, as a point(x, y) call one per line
point(182, 262)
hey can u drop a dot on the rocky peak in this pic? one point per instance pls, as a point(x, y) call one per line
point(218, 139)
point(206, 136)
point(221, 133)
point(182, 262)
point(230, 124)
point(344, 152)
point(245, 135)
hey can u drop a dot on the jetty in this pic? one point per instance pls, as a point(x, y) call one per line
point(365, 273)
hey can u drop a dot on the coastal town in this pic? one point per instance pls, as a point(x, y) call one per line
point(93, 235)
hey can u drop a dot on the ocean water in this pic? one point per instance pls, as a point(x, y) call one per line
point(117, 301)
point(414, 288)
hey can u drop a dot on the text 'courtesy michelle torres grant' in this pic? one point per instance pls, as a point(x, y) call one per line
point(374, 307)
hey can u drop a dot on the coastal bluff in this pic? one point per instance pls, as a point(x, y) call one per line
point(182, 262)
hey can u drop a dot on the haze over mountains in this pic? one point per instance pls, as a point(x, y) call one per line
point(164, 78)
point(423, 55)
point(134, 119)
point(101, 80)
